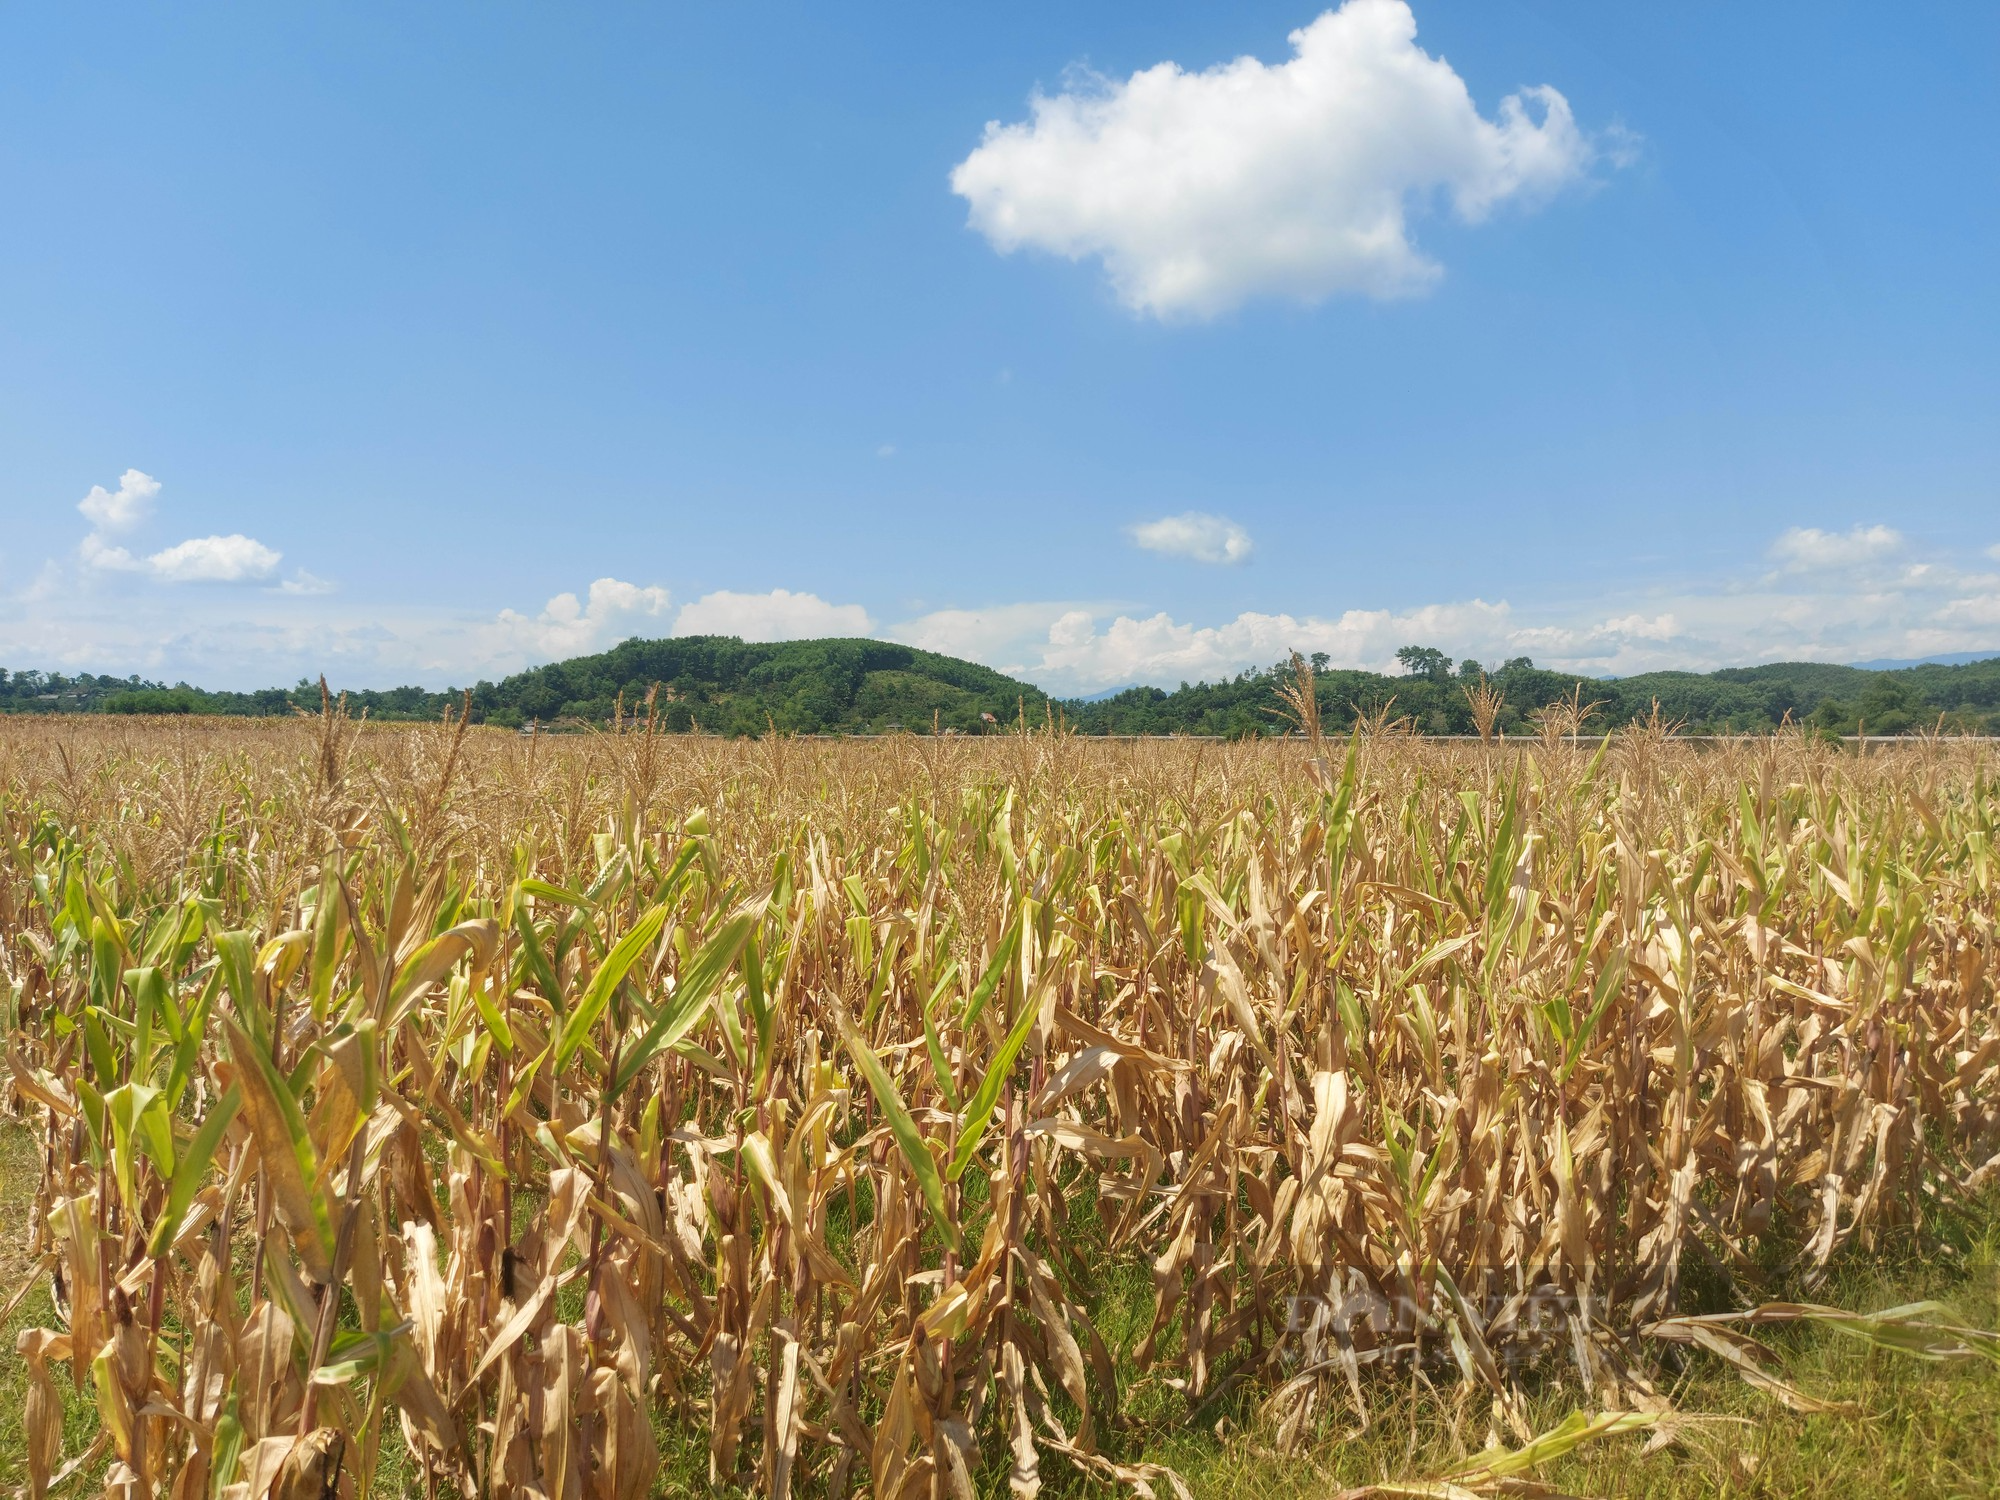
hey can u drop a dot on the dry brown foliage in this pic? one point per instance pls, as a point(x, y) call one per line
point(507, 1095)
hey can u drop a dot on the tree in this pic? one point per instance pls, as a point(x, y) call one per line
point(1425, 661)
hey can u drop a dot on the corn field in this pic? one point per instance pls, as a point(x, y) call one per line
point(462, 1111)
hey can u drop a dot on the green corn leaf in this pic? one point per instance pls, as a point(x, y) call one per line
point(1606, 989)
point(228, 1450)
point(940, 1065)
point(762, 1011)
point(328, 938)
point(96, 1041)
point(979, 1113)
point(695, 986)
point(145, 985)
point(107, 966)
point(610, 974)
point(284, 1149)
point(76, 907)
point(99, 1131)
point(191, 1170)
point(237, 952)
point(533, 959)
point(524, 1081)
point(901, 1126)
point(123, 1108)
point(435, 959)
point(490, 1016)
point(549, 891)
point(995, 972)
point(1574, 1430)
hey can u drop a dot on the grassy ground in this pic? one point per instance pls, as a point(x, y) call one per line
point(1923, 1429)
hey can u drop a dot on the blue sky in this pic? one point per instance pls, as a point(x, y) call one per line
point(1099, 343)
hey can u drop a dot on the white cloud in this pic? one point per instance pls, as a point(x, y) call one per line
point(129, 504)
point(302, 582)
point(1194, 534)
point(1663, 627)
point(567, 626)
point(1198, 190)
point(67, 619)
point(214, 559)
point(996, 634)
point(1807, 547)
point(779, 615)
point(203, 559)
point(1980, 611)
point(1161, 649)
point(98, 553)
point(1994, 552)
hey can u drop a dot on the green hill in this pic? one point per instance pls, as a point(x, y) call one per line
point(727, 686)
point(722, 685)
point(715, 683)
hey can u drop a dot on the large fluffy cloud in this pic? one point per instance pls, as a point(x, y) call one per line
point(214, 559)
point(992, 634)
point(234, 558)
point(1200, 189)
point(779, 615)
point(1195, 534)
point(611, 611)
point(1161, 649)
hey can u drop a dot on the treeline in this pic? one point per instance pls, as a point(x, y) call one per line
point(721, 685)
point(716, 684)
point(58, 693)
point(1435, 697)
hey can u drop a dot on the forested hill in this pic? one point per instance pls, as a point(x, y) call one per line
point(722, 685)
point(715, 683)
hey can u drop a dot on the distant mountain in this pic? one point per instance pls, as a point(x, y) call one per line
point(722, 685)
point(1948, 659)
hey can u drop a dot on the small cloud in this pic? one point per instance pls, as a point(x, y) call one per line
point(779, 615)
point(1658, 628)
point(1994, 551)
point(1619, 146)
point(98, 553)
point(1807, 547)
point(214, 559)
point(126, 506)
point(887, 450)
point(1194, 534)
point(302, 582)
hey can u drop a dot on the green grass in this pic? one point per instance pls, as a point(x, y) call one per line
point(1924, 1429)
